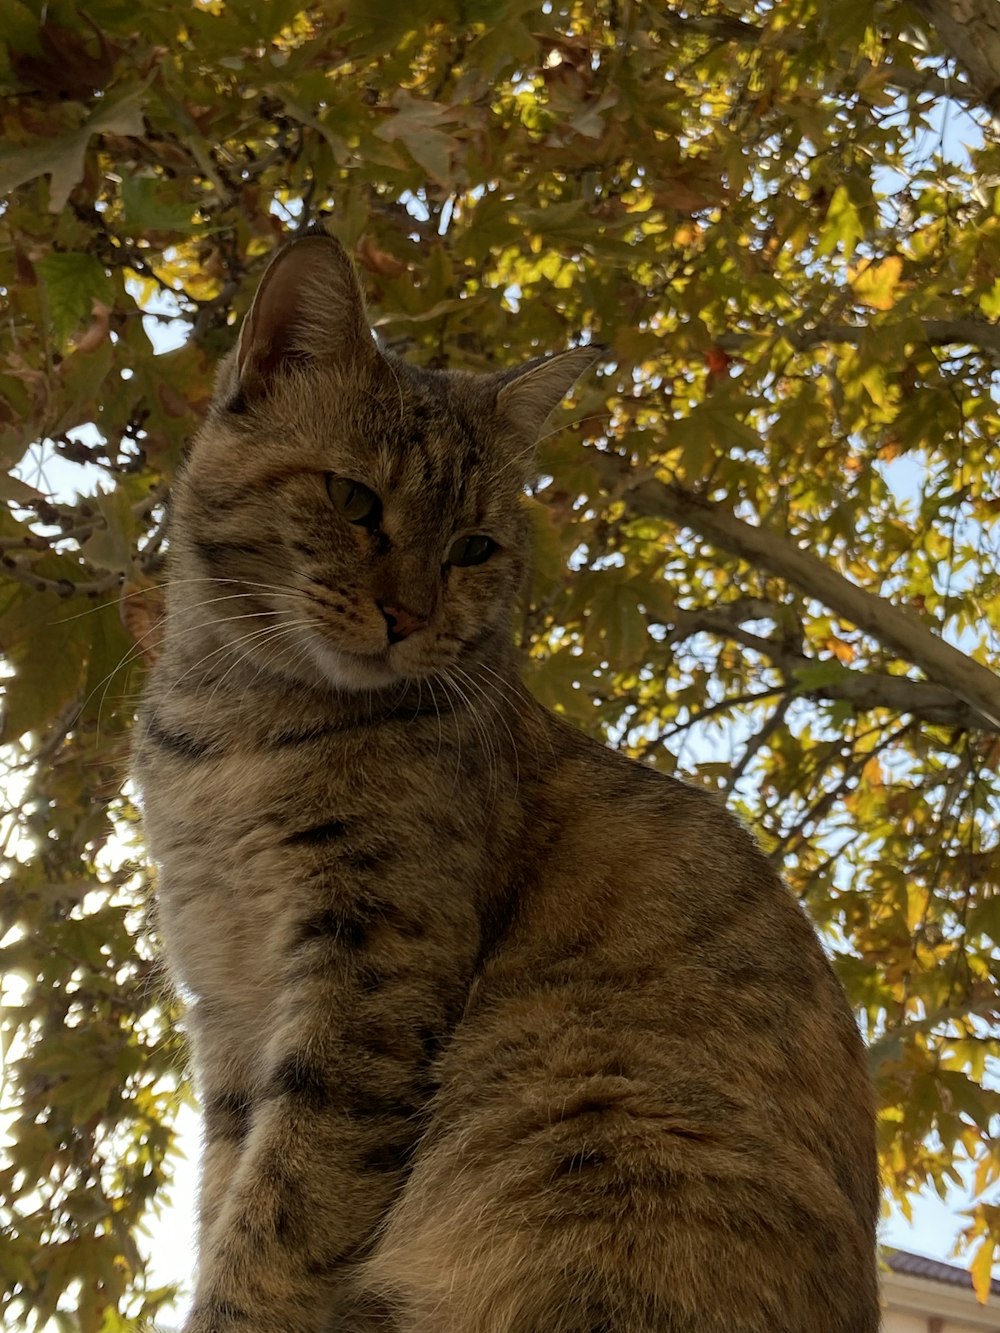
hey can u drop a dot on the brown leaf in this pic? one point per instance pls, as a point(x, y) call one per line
point(718, 362)
point(681, 197)
point(66, 68)
point(24, 268)
point(173, 403)
point(142, 610)
point(378, 261)
point(97, 330)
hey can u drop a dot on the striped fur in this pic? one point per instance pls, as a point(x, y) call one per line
point(495, 1031)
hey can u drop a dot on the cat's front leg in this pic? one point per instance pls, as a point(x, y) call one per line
point(226, 1082)
point(346, 1081)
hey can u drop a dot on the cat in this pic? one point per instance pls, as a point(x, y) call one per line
point(495, 1030)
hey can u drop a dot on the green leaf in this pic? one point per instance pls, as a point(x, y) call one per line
point(20, 27)
point(73, 282)
point(151, 204)
point(819, 674)
point(45, 641)
point(417, 126)
point(111, 547)
point(61, 159)
point(843, 225)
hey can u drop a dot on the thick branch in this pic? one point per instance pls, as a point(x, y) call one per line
point(899, 630)
point(969, 30)
point(937, 332)
point(864, 689)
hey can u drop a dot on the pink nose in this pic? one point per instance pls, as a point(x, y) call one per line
point(401, 623)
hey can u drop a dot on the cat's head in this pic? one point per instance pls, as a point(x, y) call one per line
point(356, 521)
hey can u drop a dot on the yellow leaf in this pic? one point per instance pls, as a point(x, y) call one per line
point(844, 652)
point(981, 1269)
point(875, 283)
point(989, 302)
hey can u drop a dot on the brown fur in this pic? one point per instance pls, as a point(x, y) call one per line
point(496, 1031)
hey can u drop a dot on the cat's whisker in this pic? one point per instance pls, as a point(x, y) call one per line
point(141, 641)
point(225, 647)
point(580, 421)
point(500, 711)
point(261, 668)
point(131, 656)
point(258, 638)
point(437, 711)
point(509, 464)
point(497, 714)
point(482, 731)
point(159, 586)
point(516, 460)
point(186, 632)
point(399, 390)
point(297, 657)
point(420, 696)
point(458, 732)
point(516, 695)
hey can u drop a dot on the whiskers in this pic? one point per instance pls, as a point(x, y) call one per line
point(251, 590)
point(262, 637)
point(486, 707)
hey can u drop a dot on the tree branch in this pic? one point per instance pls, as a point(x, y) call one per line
point(969, 30)
point(63, 587)
point(865, 689)
point(854, 763)
point(908, 78)
point(915, 79)
point(937, 332)
point(959, 676)
point(758, 741)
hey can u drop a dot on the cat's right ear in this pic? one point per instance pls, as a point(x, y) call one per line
point(529, 393)
point(308, 308)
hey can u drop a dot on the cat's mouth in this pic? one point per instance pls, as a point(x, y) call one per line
point(350, 669)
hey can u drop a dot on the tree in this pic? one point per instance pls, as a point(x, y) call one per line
point(767, 533)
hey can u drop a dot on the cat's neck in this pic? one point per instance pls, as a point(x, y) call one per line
point(229, 689)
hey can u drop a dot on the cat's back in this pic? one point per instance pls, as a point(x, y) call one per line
point(653, 876)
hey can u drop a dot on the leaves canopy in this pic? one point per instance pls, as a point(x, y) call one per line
point(767, 532)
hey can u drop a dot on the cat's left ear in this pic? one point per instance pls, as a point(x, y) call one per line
point(530, 393)
point(308, 307)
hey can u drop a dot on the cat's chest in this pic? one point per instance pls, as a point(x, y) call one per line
point(252, 841)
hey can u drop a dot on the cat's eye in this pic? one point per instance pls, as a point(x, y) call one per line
point(356, 502)
point(474, 550)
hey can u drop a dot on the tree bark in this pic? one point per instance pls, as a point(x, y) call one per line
point(899, 630)
point(969, 32)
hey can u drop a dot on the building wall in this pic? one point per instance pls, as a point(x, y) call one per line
point(897, 1321)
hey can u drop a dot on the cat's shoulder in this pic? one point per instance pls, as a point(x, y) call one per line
point(599, 788)
point(622, 776)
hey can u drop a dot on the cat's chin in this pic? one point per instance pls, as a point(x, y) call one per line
point(352, 671)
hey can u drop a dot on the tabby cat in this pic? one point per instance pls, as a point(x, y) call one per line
point(496, 1031)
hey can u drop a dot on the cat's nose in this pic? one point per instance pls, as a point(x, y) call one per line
point(400, 622)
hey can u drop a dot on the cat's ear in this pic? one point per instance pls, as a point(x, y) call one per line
point(530, 393)
point(308, 307)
